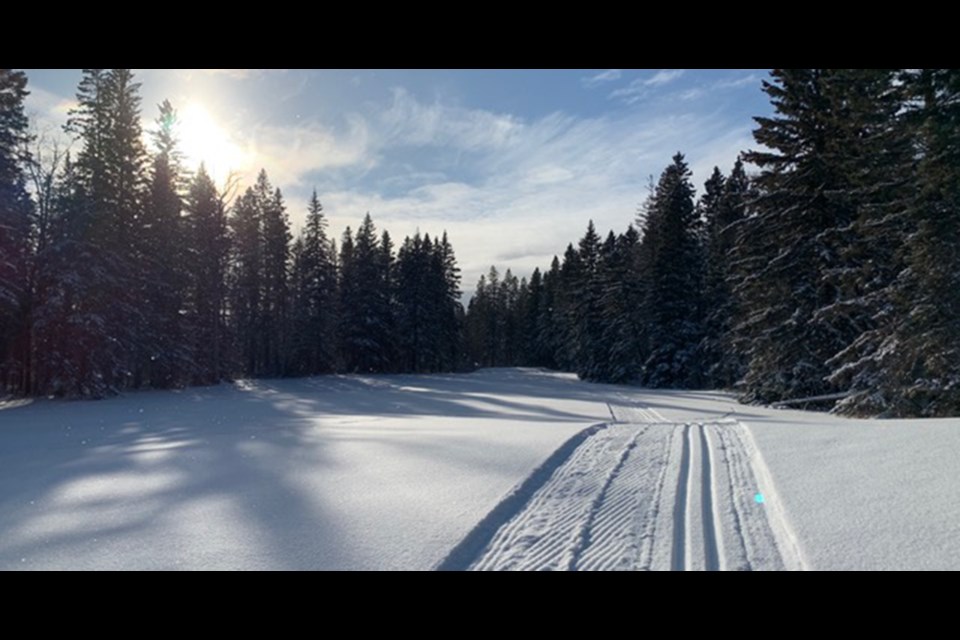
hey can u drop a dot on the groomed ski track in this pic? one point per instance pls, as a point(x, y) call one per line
point(640, 493)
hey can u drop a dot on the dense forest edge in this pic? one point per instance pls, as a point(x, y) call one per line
point(826, 263)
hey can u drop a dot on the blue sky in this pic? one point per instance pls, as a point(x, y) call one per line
point(511, 163)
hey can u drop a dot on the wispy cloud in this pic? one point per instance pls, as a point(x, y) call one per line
point(664, 76)
point(610, 75)
point(410, 122)
point(238, 74)
point(736, 83)
point(641, 88)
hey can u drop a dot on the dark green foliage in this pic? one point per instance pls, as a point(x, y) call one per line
point(366, 317)
point(427, 306)
point(670, 261)
point(206, 255)
point(160, 257)
point(722, 208)
point(314, 290)
point(915, 370)
point(15, 237)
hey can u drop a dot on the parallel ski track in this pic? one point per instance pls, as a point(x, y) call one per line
point(649, 493)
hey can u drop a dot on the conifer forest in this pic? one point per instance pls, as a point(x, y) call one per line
point(826, 263)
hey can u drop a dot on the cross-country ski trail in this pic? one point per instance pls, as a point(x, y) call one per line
point(646, 493)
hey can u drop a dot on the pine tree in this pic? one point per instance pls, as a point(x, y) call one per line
point(347, 287)
point(919, 373)
point(722, 207)
point(671, 264)
point(365, 313)
point(619, 301)
point(387, 302)
point(549, 321)
point(478, 310)
point(161, 257)
point(794, 240)
point(569, 277)
point(315, 295)
point(876, 151)
point(450, 310)
point(586, 313)
point(415, 342)
point(16, 290)
point(206, 255)
point(276, 259)
point(100, 288)
point(246, 275)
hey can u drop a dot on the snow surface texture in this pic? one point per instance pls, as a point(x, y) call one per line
point(509, 468)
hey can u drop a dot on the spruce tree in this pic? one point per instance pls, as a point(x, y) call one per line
point(619, 302)
point(161, 257)
point(585, 310)
point(246, 275)
point(206, 252)
point(450, 310)
point(722, 207)
point(365, 315)
point(103, 283)
point(276, 260)
point(315, 295)
point(16, 229)
point(920, 375)
point(670, 260)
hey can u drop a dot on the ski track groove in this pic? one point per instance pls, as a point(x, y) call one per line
point(681, 515)
point(612, 505)
point(711, 554)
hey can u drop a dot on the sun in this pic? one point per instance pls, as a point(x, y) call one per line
point(203, 140)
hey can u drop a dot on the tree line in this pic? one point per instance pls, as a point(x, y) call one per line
point(833, 270)
point(119, 269)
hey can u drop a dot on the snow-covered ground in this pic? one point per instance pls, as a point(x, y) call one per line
point(506, 468)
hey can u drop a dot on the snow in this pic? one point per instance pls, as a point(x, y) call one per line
point(380, 472)
point(500, 469)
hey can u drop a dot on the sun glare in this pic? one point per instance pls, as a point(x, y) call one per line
point(202, 139)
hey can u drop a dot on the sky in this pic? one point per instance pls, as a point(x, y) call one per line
point(512, 164)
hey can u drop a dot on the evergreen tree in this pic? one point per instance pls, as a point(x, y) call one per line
point(478, 310)
point(878, 156)
point(586, 313)
point(549, 322)
point(160, 258)
point(722, 207)
point(387, 302)
point(919, 373)
point(246, 275)
point(535, 308)
point(450, 311)
point(671, 263)
point(206, 256)
point(315, 295)
point(365, 312)
point(790, 244)
point(413, 310)
point(98, 312)
point(569, 278)
point(16, 291)
point(348, 294)
point(619, 301)
point(275, 294)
